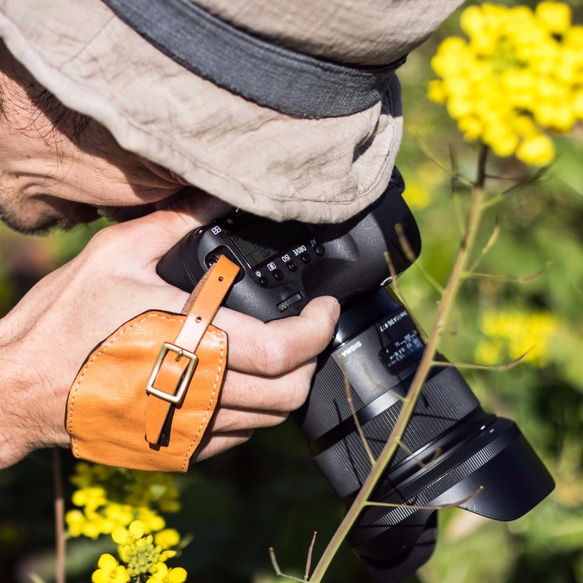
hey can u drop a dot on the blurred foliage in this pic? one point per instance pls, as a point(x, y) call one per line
point(540, 235)
point(268, 492)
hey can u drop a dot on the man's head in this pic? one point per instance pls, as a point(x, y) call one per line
point(59, 167)
point(289, 110)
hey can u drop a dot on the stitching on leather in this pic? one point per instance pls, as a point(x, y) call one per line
point(206, 414)
point(111, 340)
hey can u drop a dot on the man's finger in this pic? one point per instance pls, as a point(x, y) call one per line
point(220, 442)
point(228, 420)
point(280, 346)
point(284, 393)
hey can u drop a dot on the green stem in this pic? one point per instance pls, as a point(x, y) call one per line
point(59, 517)
point(443, 311)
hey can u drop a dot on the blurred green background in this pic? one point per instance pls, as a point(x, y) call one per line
point(268, 493)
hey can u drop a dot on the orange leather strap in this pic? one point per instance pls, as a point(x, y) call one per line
point(200, 311)
point(145, 396)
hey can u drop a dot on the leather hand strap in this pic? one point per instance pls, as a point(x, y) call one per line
point(200, 311)
point(144, 397)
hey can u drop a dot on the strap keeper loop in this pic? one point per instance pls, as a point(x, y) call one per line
point(176, 398)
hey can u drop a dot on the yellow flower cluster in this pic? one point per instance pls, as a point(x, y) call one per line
point(124, 504)
point(519, 73)
point(111, 498)
point(144, 556)
point(512, 334)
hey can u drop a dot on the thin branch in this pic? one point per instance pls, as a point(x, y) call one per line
point(59, 509)
point(455, 179)
point(444, 308)
point(509, 278)
point(419, 507)
point(404, 242)
point(493, 367)
point(448, 168)
point(309, 559)
point(396, 292)
point(412, 259)
point(517, 184)
point(486, 249)
point(526, 180)
point(278, 571)
point(420, 463)
point(371, 457)
point(481, 174)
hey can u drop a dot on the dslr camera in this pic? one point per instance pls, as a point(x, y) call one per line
point(452, 452)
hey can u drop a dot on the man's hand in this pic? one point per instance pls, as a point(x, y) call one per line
point(45, 339)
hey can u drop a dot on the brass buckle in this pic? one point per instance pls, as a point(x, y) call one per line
point(177, 398)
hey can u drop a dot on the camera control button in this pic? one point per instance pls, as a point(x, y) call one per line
point(305, 257)
point(210, 260)
point(319, 250)
point(292, 266)
point(277, 274)
point(263, 280)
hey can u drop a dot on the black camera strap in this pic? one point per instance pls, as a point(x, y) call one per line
point(287, 81)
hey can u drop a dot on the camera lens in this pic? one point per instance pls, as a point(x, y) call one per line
point(452, 452)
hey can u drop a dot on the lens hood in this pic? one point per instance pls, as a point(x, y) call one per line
point(495, 474)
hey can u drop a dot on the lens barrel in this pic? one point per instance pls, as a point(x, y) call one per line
point(452, 452)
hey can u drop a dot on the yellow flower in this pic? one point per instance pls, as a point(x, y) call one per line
point(516, 64)
point(151, 520)
point(452, 54)
point(167, 538)
point(555, 16)
point(142, 553)
point(437, 91)
point(471, 126)
point(113, 497)
point(119, 514)
point(536, 151)
point(512, 334)
point(91, 497)
point(75, 520)
point(501, 137)
point(109, 571)
point(163, 574)
point(577, 101)
point(557, 115)
point(123, 537)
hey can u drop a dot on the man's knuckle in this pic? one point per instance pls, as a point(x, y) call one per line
point(278, 419)
point(246, 435)
point(103, 246)
point(300, 394)
point(275, 356)
point(103, 238)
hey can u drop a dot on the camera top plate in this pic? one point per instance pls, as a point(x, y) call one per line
point(285, 265)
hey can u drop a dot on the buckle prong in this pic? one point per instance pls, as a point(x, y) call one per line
point(177, 397)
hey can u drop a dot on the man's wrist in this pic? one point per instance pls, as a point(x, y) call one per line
point(27, 409)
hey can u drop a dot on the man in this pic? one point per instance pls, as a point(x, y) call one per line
point(140, 132)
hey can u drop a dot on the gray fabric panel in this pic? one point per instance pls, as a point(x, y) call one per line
point(281, 79)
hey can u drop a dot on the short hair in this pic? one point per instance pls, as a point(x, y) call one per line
point(68, 122)
point(41, 101)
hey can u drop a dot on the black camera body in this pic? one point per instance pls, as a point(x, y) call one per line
point(452, 452)
point(285, 265)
